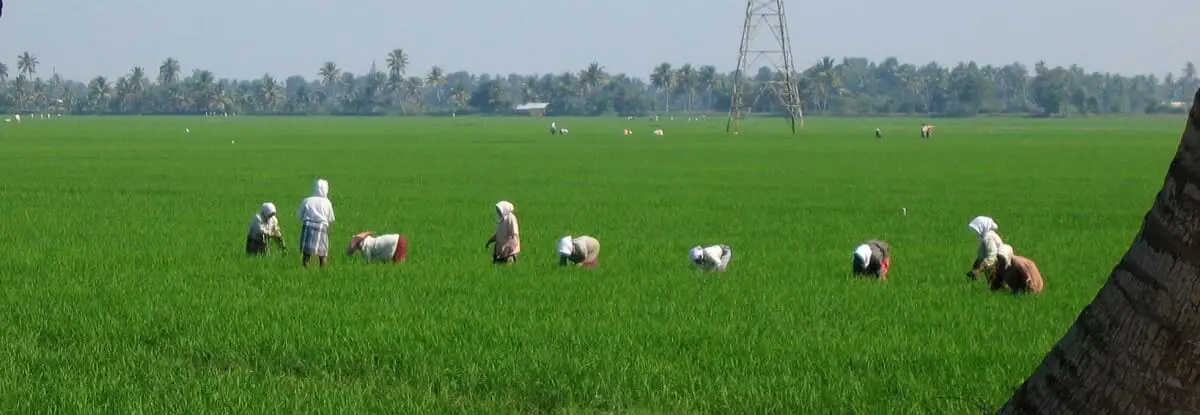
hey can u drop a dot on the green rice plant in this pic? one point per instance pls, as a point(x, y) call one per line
point(126, 288)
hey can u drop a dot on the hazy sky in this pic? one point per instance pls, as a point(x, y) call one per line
point(247, 38)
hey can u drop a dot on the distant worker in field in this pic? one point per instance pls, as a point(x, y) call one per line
point(316, 214)
point(264, 227)
point(873, 257)
point(1015, 272)
point(989, 247)
point(582, 251)
point(507, 238)
point(387, 248)
point(878, 134)
point(553, 127)
point(927, 130)
point(713, 258)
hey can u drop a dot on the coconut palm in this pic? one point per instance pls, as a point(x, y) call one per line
point(688, 80)
point(1132, 351)
point(27, 63)
point(592, 77)
point(664, 79)
point(437, 79)
point(168, 72)
point(329, 74)
point(397, 62)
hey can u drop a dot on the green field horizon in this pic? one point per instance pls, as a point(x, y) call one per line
point(127, 288)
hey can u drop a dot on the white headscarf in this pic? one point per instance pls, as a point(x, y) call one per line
point(982, 225)
point(267, 209)
point(321, 189)
point(504, 208)
point(863, 252)
point(696, 253)
point(565, 246)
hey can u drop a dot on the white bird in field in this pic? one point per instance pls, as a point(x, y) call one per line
point(658, 132)
point(628, 132)
point(563, 131)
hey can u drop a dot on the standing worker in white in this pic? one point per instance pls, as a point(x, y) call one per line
point(507, 236)
point(713, 258)
point(316, 213)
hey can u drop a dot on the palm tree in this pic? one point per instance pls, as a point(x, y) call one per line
point(437, 79)
point(663, 78)
point(397, 62)
point(393, 86)
point(329, 73)
point(829, 81)
point(687, 82)
point(592, 76)
point(1132, 349)
point(707, 78)
point(413, 87)
point(3, 73)
point(203, 87)
point(269, 94)
point(27, 64)
point(98, 94)
point(168, 72)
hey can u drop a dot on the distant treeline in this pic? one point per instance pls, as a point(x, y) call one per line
point(852, 86)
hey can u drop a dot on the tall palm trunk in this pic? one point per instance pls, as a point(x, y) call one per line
point(1136, 348)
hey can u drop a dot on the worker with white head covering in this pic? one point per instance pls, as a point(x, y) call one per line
point(316, 214)
point(712, 258)
point(989, 246)
point(392, 247)
point(873, 257)
point(264, 227)
point(507, 236)
point(583, 251)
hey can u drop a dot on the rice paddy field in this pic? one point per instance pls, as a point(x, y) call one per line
point(126, 288)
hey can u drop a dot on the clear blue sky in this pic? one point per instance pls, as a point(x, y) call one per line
point(247, 38)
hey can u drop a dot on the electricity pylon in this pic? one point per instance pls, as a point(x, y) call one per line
point(778, 51)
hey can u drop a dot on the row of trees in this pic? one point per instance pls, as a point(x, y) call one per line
point(851, 86)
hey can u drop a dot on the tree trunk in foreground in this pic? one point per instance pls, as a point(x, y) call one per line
point(1136, 348)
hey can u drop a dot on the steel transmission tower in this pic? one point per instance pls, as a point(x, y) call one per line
point(769, 15)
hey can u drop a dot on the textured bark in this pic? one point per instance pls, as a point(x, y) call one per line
point(1136, 348)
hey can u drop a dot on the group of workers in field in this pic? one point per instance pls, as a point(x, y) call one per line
point(316, 215)
point(996, 260)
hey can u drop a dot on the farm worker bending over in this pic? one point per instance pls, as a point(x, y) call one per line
point(263, 227)
point(316, 213)
point(989, 246)
point(926, 130)
point(391, 247)
point(583, 251)
point(873, 257)
point(713, 258)
point(1016, 272)
point(508, 235)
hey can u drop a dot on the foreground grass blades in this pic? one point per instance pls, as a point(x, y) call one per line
point(126, 288)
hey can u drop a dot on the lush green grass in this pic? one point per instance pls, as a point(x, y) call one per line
point(125, 287)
